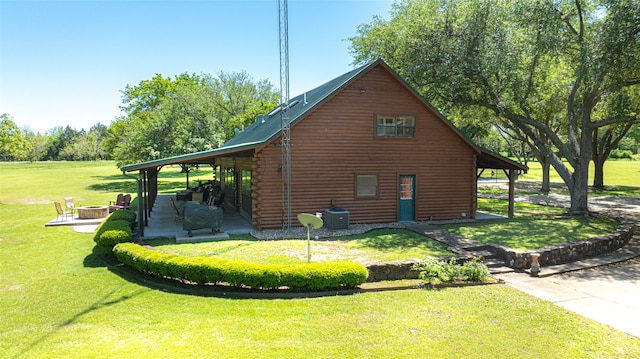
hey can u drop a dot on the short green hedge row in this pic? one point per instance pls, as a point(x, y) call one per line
point(200, 270)
point(116, 228)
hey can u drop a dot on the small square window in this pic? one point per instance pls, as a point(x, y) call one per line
point(367, 185)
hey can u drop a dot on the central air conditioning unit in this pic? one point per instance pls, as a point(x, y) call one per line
point(336, 218)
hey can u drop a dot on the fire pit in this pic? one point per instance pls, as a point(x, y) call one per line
point(92, 212)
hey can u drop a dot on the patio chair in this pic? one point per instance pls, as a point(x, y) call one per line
point(179, 214)
point(123, 201)
point(219, 199)
point(69, 205)
point(62, 213)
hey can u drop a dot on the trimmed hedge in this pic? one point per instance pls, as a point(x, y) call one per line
point(116, 228)
point(123, 214)
point(200, 270)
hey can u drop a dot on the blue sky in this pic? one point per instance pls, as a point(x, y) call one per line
point(65, 62)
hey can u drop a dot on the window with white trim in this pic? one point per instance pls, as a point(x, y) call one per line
point(396, 126)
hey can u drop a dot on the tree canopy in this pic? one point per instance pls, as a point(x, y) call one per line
point(189, 113)
point(13, 144)
point(543, 67)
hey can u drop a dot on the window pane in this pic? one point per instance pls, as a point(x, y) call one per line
point(406, 188)
point(401, 126)
point(367, 185)
point(386, 126)
point(406, 126)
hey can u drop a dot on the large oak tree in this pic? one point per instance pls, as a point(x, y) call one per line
point(516, 59)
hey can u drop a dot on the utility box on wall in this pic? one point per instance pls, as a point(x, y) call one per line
point(336, 218)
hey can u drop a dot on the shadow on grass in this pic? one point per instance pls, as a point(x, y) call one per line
point(96, 259)
point(105, 301)
point(124, 186)
point(114, 186)
point(626, 191)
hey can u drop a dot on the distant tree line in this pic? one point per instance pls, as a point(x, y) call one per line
point(161, 117)
point(56, 144)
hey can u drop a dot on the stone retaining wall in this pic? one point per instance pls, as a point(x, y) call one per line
point(569, 252)
point(551, 255)
point(391, 271)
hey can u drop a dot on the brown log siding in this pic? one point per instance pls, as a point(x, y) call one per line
point(338, 141)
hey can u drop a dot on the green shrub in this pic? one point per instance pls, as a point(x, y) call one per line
point(123, 214)
point(116, 228)
point(475, 271)
point(113, 232)
point(200, 270)
point(436, 271)
point(620, 154)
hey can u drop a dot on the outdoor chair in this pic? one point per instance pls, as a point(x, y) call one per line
point(123, 201)
point(218, 200)
point(62, 213)
point(179, 213)
point(69, 205)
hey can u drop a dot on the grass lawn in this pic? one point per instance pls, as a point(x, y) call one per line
point(59, 300)
point(375, 246)
point(532, 228)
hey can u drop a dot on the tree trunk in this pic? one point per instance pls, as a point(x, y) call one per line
point(579, 188)
point(598, 177)
point(546, 166)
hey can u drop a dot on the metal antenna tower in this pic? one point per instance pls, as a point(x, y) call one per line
point(283, 27)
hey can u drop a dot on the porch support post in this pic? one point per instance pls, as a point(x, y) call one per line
point(511, 191)
point(141, 204)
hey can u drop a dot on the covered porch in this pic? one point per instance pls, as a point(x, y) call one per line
point(156, 216)
point(489, 160)
point(162, 224)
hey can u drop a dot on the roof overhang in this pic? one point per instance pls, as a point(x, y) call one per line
point(202, 157)
point(488, 159)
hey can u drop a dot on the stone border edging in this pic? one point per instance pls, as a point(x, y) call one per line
point(568, 252)
point(551, 255)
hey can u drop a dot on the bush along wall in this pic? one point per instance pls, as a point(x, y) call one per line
point(202, 270)
point(116, 228)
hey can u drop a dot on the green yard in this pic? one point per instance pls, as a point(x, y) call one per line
point(375, 246)
point(58, 299)
point(531, 226)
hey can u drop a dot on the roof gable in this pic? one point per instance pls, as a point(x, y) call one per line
point(269, 127)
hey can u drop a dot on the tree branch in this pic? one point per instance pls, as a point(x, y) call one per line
point(609, 121)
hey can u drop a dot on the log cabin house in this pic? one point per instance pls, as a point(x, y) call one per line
point(365, 142)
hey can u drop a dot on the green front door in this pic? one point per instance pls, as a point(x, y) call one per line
point(407, 194)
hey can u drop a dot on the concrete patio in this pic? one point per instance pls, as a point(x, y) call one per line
point(162, 224)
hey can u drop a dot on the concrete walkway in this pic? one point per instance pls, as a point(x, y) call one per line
point(605, 288)
point(609, 294)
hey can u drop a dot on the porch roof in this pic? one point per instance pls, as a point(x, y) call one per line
point(488, 159)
